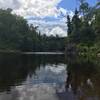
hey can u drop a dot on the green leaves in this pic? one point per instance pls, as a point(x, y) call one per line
point(84, 28)
point(14, 31)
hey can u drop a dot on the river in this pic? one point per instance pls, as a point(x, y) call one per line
point(48, 77)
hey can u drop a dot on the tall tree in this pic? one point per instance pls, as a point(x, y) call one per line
point(69, 25)
point(76, 25)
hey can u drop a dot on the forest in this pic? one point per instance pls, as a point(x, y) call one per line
point(84, 29)
point(17, 35)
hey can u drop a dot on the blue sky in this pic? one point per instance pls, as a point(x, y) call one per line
point(72, 4)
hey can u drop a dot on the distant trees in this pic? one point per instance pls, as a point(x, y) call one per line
point(16, 34)
point(50, 43)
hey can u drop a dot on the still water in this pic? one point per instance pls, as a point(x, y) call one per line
point(48, 77)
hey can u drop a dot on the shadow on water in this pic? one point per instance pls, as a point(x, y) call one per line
point(83, 81)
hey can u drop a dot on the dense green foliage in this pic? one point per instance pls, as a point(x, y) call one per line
point(84, 28)
point(17, 35)
point(50, 43)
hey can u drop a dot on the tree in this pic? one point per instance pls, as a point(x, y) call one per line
point(69, 25)
point(83, 26)
point(15, 33)
point(76, 25)
point(84, 7)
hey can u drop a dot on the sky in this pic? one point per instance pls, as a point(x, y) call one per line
point(72, 4)
point(49, 15)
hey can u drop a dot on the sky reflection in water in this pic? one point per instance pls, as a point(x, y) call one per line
point(47, 77)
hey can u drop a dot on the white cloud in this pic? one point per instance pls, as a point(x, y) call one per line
point(39, 8)
point(14, 4)
point(63, 11)
point(59, 31)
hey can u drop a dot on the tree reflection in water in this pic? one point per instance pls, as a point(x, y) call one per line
point(83, 77)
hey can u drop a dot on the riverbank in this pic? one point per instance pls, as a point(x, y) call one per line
point(25, 52)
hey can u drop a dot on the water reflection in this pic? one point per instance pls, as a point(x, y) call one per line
point(31, 77)
point(83, 78)
point(46, 77)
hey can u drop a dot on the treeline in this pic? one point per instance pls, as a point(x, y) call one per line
point(50, 43)
point(84, 28)
point(17, 35)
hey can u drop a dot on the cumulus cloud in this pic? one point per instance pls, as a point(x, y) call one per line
point(13, 4)
point(39, 8)
point(58, 30)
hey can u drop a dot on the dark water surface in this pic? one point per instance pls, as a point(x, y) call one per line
point(48, 77)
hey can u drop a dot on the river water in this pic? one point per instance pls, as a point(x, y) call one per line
point(48, 77)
